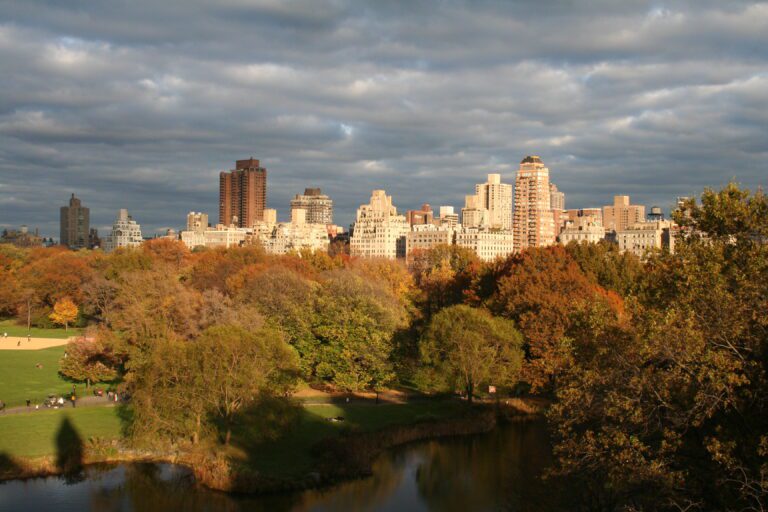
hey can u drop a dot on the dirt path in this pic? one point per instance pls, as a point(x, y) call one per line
point(87, 401)
point(22, 343)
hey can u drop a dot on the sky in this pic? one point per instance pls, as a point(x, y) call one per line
point(139, 104)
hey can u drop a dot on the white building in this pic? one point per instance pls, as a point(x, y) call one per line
point(647, 236)
point(125, 233)
point(379, 231)
point(219, 236)
point(286, 237)
point(496, 197)
point(448, 218)
point(487, 244)
point(474, 215)
point(582, 230)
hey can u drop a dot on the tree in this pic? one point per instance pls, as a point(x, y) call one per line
point(354, 322)
point(64, 312)
point(670, 411)
point(473, 348)
point(187, 389)
point(89, 360)
point(541, 289)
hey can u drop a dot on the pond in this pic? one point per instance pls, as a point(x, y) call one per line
point(495, 471)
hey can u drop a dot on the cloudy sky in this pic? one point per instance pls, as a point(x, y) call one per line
point(139, 103)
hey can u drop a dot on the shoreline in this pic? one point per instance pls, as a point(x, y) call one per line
point(346, 457)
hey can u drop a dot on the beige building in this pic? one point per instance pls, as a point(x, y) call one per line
point(593, 215)
point(200, 235)
point(486, 243)
point(427, 237)
point(125, 233)
point(378, 230)
point(496, 197)
point(448, 218)
point(197, 221)
point(319, 206)
point(581, 230)
point(622, 214)
point(647, 236)
point(474, 215)
point(294, 236)
point(534, 222)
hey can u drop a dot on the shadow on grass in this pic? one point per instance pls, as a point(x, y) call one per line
point(69, 451)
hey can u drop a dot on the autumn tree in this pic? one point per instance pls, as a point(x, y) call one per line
point(541, 289)
point(64, 312)
point(89, 360)
point(670, 410)
point(473, 348)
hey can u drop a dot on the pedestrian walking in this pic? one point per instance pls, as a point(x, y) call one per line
point(29, 402)
point(29, 338)
point(5, 336)
point(74, 399)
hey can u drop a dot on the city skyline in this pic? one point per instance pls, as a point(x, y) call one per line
point(142, 111)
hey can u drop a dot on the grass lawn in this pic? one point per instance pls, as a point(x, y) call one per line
point(20, 331)
point(291, 454)
point(34, 434)
point(20, 380)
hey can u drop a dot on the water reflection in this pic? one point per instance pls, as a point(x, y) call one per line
point(497, 471)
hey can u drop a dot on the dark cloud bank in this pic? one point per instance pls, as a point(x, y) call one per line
point(139, 104)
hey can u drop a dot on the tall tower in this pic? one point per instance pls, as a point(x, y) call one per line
point(243, 194)
point(318, 206)
point(496, 197)
point(75, 224)
point(534, 221)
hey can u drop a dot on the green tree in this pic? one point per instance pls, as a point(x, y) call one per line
point(473, 348)
point(354, 321)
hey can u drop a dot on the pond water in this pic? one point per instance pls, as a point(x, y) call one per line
point(495, 471)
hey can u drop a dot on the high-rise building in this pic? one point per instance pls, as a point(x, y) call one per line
point(534, 224)
point(496, 197)
point(420, 217)
point(319, 206)
point(379, 231)
point(473, 215)
point(197, 222)
point(448, 218)
point(243, 194)
point(125, 233)
point(622, 215)
point(556, 198)
point(75, 224)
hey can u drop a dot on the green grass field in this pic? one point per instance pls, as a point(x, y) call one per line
point(20, 331)
point(291, 454)
point(21, 380)
point(34, 434)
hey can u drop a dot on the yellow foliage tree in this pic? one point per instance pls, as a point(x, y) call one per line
point(64, 312)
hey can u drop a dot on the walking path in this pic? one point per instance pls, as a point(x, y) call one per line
point(86, 401)
point(22, 343)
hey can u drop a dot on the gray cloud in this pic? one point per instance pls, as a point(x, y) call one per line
point(140, 104)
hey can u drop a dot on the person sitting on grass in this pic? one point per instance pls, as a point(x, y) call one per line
point(2, 406)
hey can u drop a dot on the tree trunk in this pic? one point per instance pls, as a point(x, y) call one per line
point(228, 436)
point(87, 383)
point(196, 435)
point(469, 392)
point(377, 397)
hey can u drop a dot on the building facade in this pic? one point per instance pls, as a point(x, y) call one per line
point(378, 230)
point(582, 230)
point(319, 207)
point(622, 215)
point(643, 237)
point(218, 236)
point(22, 237)
point(75, 224)
point(243, 194)
point(420, 217)
point(474, 215)
point(496, 197)
point(126, 232)
point(487, 244)
point(534, 222)
point(423, 238)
